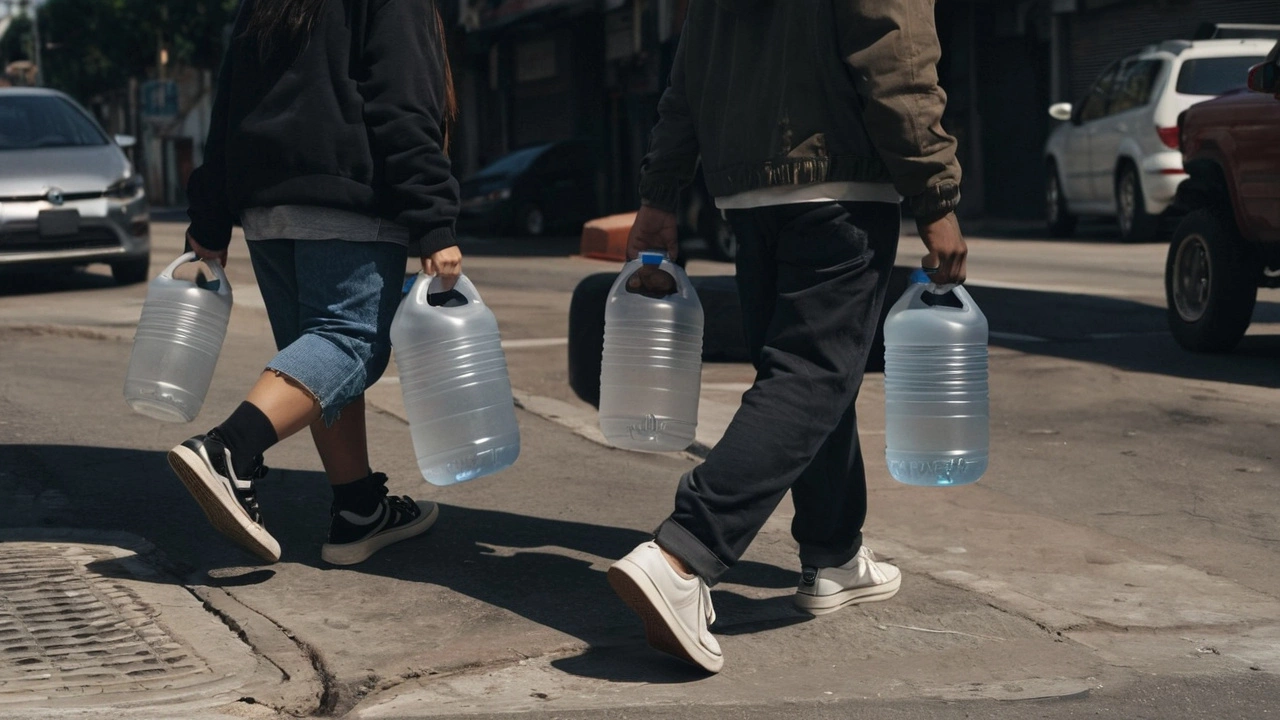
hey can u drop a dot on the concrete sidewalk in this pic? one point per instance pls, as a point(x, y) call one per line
point(503, 606)
point(965, 552)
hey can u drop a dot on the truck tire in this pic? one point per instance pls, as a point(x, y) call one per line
point(586, 335)
point(1211, 283)
point(723, 338)
point(899, 278)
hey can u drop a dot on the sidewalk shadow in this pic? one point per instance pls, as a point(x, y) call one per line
point(1093, 231)
point(1123, 334)
point(41, 281)
point(548, 571)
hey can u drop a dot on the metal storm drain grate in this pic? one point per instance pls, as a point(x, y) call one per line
point(66, 630)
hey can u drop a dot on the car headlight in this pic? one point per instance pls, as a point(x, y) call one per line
point(126, 188)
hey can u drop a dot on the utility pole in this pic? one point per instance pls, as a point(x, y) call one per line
point(26, 8)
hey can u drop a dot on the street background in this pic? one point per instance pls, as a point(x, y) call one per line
point(1117, 560)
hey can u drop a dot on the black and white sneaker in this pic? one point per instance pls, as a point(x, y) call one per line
point(204, 465)
point(353, 538)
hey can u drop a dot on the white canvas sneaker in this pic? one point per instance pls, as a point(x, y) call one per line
point(862, 579)
point(676, 611)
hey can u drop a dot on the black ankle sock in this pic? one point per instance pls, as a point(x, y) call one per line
point(362, 496)
point(247, 433)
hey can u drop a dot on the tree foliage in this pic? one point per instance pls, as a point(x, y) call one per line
point(95, 46)
point(15, 44)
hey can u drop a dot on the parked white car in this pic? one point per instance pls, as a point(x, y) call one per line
point(1116, 153)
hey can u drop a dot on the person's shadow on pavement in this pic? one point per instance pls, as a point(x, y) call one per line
point(549, 571)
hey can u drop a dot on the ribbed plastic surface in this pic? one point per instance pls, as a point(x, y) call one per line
point(935, 387)
point(651, 371)
point(177, 344)
point(457, 393)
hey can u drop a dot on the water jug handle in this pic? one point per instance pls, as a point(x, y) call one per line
point(683, 286)
point(224, 285)
point(182, 259)
point(942, 296)
point(464, 287)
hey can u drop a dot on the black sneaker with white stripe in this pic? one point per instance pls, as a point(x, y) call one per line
point(354, 537)
point(203, 464)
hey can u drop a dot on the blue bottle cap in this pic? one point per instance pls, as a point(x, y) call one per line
point(652, 258)
point(919, 277)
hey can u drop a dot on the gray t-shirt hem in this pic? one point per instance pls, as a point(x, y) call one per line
point(305, 222)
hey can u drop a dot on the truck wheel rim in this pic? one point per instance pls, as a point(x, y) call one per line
point(1192, 268)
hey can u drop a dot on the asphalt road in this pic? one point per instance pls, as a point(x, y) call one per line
point(1118, 560)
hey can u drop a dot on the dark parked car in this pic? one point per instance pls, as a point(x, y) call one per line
point(533, 191)
point(1228, 245)
point(553, 187)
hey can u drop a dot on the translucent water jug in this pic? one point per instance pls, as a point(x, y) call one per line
point(453, 375)
point(176, 346)
point(935, 386)
point(651, 371)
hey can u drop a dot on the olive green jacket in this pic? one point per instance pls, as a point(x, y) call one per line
point(789, 92)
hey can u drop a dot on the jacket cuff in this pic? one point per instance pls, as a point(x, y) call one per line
point(212, 235)
point(433, 242)
point(661, 194)
point(934, 203)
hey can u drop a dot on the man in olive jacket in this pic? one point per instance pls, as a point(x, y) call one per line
point(815, 121)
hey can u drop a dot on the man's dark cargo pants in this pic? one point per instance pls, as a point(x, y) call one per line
point(811, 278)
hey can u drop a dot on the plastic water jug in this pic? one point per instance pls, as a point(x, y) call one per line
point(453, 375)
point(176, 346)
point(651, 371)
point(935, 386)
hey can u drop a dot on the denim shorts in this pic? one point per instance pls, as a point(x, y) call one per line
point(330, 303)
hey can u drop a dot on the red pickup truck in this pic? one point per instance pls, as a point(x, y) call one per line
point(1228, 244)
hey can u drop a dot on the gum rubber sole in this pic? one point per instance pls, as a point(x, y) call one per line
point(657, 627)
point(222, 509)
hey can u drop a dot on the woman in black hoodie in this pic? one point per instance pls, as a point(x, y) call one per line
point(328, 145)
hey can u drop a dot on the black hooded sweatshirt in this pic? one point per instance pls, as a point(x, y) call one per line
point(348, 118)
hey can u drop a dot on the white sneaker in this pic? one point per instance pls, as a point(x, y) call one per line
point(676, 611)
point(862, 579)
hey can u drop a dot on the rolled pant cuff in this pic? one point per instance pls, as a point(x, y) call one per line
point(332, 376)
point(675, 539)
point(824, 557)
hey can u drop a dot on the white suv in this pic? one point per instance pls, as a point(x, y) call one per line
point(1117, 153)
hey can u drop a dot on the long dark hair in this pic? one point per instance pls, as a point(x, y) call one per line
point(277, 24)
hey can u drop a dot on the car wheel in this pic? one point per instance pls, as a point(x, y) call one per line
point(1061, 222)
point(132, 272)
point(1211, 283)
point(1136, 225)
point(718, 234)
point(532, 221)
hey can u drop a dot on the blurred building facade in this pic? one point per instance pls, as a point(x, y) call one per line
point(535, 71)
